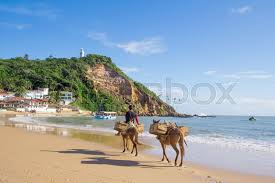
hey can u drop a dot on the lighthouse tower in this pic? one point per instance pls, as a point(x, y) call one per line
point(82, 53)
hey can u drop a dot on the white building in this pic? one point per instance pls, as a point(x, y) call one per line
point(37, 105)
point(12, 102)
point(5, 96)
point(82, 53)
point(66, 97)
point(40, 93)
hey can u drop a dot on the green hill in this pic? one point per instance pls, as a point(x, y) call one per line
point(94, 80)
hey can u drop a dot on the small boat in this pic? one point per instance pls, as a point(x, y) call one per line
point(203, 115)
point(106, 115)
point(252, 118)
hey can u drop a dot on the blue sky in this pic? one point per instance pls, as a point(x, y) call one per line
point(190, 42)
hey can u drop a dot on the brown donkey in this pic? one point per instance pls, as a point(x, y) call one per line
point(173, 137)
point(132, 134)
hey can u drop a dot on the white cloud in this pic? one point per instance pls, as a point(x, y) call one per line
point(232, 76)
point(21, 26)
point(15, 26)
point(227, 84)
point(101, 37)
point(129, 69)
point(253, 72)
point(259, 76)
point(249, 75)
point(143, 47)
point(211, 72)
point(242, 10)
point(40, 10)
point(147, 46)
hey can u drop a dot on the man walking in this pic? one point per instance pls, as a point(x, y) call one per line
point(131, 116)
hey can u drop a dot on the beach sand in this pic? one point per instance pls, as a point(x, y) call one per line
point(34, 157)
point(64, 113)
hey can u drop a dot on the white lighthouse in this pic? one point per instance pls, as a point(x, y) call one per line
point(82, 53)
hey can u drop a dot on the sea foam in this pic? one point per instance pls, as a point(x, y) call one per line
point(213, 139)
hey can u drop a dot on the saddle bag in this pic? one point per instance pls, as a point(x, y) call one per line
point(121, 126)
point(158, 128)
point(162, 128)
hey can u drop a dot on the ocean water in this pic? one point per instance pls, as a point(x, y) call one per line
point(228, 142)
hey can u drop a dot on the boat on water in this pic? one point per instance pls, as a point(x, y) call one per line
point(203, 115)
point(252, 118)
point(106, 115)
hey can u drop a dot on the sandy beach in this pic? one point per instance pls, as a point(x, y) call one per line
point(34, 157)
point(65, 113)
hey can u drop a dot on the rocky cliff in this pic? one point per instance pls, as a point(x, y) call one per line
point(107, 79)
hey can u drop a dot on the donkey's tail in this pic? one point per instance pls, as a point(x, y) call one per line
point(185, 142)
point(136, 138)
point(182, 138)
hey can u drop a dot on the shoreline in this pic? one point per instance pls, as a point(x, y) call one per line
point(205, 152)
point(94, 161)
point(67, 113)
point(211, 156)
point(117, 146)
point(88, 113)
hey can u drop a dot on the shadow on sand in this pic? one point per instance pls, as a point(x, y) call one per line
point(80, 151)
point(114, 162)
point(104, 159)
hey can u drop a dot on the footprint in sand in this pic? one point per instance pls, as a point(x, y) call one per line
point(212, 180)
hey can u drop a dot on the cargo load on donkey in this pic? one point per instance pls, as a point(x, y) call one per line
point(159, 128)
point(121, 126)
point(162, 128)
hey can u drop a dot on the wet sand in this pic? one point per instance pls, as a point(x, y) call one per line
point(35, 157)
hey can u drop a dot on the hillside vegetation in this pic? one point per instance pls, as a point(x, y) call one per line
point(61, 74)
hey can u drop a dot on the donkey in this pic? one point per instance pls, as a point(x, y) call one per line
point(132, 134)
point(173, 137)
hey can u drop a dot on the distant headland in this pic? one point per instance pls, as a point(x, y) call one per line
point(92, 82)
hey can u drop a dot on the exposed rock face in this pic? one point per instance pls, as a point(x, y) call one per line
point(108, 80)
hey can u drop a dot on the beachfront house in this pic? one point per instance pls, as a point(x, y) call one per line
point(33, 101)
point(35, 105)
point(5, 95)
point(25, 105)
point(12, 103)
point(65, 97)
point(40, 93)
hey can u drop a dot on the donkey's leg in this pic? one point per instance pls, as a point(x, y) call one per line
point(124, 143)
point(127, 143)
point(136, 138)
point(181, 150)
point(136, 150)
point(177, 152)
point(164, 153)
point(134, 145)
